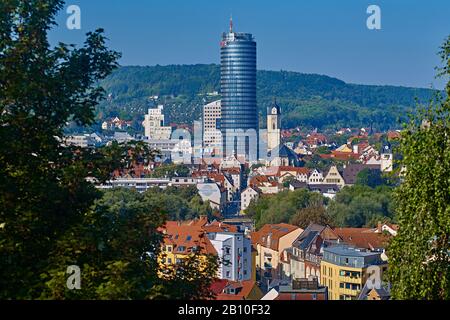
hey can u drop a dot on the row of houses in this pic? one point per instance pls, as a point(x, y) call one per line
point(321, 262)
point(271, 180)
point(282, 261)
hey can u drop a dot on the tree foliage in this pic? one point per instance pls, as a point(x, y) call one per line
point(308, 100)
point(51, 214)
point(419, 254)
point(360, 206)
point(282, 206)
point(317, 214)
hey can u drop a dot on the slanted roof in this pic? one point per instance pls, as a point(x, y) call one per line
point(366, 238)
point(351, 171)
point(243, 290)
point(217, 226)
point(187, 237)
point(274, 232)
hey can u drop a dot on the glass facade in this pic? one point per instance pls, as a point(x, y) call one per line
point(239, 123)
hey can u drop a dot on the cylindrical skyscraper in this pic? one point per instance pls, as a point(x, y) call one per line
point(239, 122)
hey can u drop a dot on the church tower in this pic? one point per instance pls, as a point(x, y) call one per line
point(273, 126)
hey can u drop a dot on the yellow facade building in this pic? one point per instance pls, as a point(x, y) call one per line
point(345, 270)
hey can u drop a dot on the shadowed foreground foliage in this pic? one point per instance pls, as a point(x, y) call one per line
point(51, 215)
point(420, 253)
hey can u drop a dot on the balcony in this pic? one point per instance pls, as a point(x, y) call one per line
point(355, 280)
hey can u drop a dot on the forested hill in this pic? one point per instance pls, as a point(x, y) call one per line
point(306, 99)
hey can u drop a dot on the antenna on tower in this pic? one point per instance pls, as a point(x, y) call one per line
point(231, 23)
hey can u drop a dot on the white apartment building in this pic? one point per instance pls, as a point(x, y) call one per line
point(234, 251)
point(155, 128)
point(247, 196)
point(212, 137)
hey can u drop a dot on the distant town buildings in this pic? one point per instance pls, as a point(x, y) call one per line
point(116, 123)
point(83, 141)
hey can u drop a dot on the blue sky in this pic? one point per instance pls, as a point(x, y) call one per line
point(321, 36)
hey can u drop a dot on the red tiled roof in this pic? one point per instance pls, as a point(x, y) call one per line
point(244, 290)
point(365, 238)
point(298, 170)
point(217, 226)
point(187, 236)
point(276, 231)
point(338, 155)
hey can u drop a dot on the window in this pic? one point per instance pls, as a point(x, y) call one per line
point(314, 296)
point(169, 260)
point(228, 274)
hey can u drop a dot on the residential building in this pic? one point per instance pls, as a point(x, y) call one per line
point(300, 289)
point(304, 257)
point(266, 184)
point(212, 137)
point(351, 171)
point(288, 172)
point(179, 242)
point(345, 270)
point(234, 252)
point(315, 177)
point(327, 190)
point(236, 290)
point(270, 242)
point(366, 238)
point(154, 125)
point(333, 176)
point(249, 194)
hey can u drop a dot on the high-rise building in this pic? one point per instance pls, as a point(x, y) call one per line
point(239, 123)
point(154, 125)
point(212, 137)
